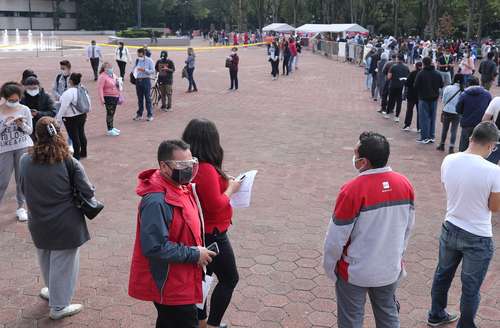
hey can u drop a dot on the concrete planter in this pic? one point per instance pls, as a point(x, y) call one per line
point(160, 42)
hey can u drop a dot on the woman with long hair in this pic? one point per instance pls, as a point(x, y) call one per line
point(122, 57)
point(214, 189)
point(108, 87)
point(190, 64)
point(58, 228)
point(16, 126)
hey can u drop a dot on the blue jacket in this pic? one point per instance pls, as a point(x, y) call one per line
point(472, 105)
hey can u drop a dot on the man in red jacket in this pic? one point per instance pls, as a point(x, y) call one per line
point(168, 253)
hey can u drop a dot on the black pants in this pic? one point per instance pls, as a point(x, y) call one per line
point(192, 83)
point(233, 75)
point(224, 267)
point(76, 131)
point(395, 99)
point(286, 61)
point(275, 70)
point(122, 65)
point(464, 138)
point(374, 85)
point(176, 316)
point(450, 122)
point(410, 104)
point(95, 66)
point(110, 103)
point(384, 94)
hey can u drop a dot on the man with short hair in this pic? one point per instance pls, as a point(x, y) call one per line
point(143, 71)
point(472, 187)
point(168, 257)
point(427, 83)
point(445, 66)
point(398, 73)
point(94, 54)
point(61, 82)
point(165, 68)
point(385, 87)
point(379, 202)
point(492, 114)
point(488, 71)
point(471, 106)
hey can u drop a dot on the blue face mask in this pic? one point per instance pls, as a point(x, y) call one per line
point(109, 71)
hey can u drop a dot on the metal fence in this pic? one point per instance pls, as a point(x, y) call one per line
point(339, 50)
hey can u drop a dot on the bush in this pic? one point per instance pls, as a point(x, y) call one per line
point(138, 33)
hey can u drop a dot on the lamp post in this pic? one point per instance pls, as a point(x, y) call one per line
point(139, 13)
point(31, 18)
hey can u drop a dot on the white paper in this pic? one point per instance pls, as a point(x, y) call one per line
point(242, 198)
point(205, 285)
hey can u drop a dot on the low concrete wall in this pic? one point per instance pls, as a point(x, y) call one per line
point(161, 42)
point(23, 32)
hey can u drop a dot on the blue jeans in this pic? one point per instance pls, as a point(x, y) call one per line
point(143, 90)
point(427, 118)
point(457, 245)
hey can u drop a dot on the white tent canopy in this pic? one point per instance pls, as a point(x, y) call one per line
point(331, 28)
point(278, 27)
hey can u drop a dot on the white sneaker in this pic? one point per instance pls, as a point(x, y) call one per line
point(116, 130)
point(149, 119)
point(68, 311)
point(396, 119)
point(406, 128)
point(22, 214)
point(386, 116)
point(112, 133)
point(44, 293)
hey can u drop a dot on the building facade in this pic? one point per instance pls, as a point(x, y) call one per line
point(38, 15)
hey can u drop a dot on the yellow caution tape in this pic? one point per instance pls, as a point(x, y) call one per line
point(173, 48)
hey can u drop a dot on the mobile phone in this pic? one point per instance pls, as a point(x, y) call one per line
point(241, 179)
point(214, 248)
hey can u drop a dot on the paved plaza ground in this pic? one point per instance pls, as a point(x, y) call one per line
point(299, 133)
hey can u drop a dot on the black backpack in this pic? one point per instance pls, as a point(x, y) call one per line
point(132, 77)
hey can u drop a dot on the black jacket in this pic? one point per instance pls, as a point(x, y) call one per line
point(427, 84)
point(42, 103)
point(165, 77)
point(411, 92)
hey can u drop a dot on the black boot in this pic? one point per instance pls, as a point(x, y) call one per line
point(440, 147)
point(451, 150)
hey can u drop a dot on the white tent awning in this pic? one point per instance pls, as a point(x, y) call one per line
point(331, 28)
point(278, 27)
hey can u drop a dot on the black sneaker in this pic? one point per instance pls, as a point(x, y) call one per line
point(448, 318)
point(451, 150)
point(440, 147)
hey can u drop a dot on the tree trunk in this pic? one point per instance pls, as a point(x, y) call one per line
point(432, 21)
point(469, 19)
point(395, 4)
point(481, 4)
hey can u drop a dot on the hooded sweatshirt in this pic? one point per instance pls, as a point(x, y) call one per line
point(427, 83)
point(472, 105)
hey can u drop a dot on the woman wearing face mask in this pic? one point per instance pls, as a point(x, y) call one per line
point(214, 188)
point(467, 67)
point(38, 101)
point(73, 119)
point(190, 61)
point(16, 126)
point(122, 57)
point(108, 87)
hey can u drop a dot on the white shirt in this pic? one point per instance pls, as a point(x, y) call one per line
point(125, 57)
point(494, 108)
point(469, 180)
point(68, 101)
point(97, 52)
point(11, 136)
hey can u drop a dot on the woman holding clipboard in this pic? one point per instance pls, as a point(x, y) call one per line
point(214, 190)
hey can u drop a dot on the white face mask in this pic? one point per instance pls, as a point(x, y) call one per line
point(354, 160)
point(33, 92)
point(12, 104)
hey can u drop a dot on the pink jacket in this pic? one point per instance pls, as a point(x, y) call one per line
point(106, 86)
point(293, 48)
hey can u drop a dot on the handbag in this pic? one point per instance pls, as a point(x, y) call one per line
point(184, 73)
point(121, 99)
point(89, 207)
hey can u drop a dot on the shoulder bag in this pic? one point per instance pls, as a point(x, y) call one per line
point(90, 207)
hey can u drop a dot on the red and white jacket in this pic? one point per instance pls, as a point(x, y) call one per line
point(369, 231)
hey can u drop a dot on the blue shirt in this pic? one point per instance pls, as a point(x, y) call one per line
point(149, 68)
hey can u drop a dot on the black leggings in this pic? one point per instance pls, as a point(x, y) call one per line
point(286, 61)
point(224, 267)
point(122, 65)
point(176, 316)
point(233, 76)
point(110, 103)
point(75, 126)
point(275, 67)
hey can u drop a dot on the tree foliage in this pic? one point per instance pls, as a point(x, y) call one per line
point(429, 18)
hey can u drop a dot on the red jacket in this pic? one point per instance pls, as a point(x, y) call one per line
point(164, 265)
point(210, 186)
point(293, 48)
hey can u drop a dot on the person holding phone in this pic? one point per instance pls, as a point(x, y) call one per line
point(214, 189)
point(16, 126)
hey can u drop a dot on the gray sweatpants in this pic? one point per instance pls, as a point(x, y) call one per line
point(60, 271)
point(9, 162)
point(351, 301)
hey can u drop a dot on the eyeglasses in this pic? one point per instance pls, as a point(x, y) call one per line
point(182, 164)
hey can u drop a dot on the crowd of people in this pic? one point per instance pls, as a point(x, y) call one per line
point(449, 73)
point(223, 38)
point(185, 212)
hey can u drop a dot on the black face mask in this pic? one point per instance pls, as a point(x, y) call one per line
point(183, 176)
